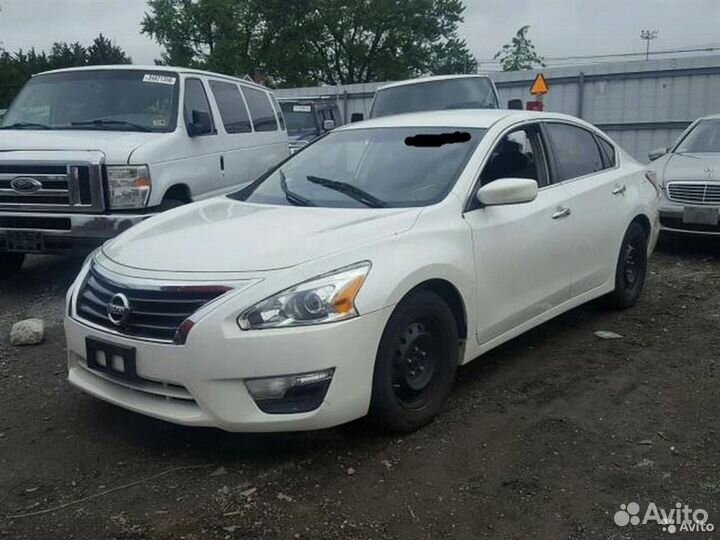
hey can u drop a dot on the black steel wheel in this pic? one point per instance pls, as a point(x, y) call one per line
point(10, 263)
point(416, 363)
point(631, 268)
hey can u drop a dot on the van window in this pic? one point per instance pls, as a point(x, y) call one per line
point(195, 99)
point(234, 115)
point(279, 112)
point(263, 115)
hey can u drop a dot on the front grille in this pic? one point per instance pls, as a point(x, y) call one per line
point(64, 186)
point(154, 313)
point(694, 192)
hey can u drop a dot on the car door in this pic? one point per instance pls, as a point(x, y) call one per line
point(586, 164)
point(523, 252)
point(201, 167)
point(238, 142)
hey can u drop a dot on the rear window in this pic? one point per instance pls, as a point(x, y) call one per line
point(263, 115)
point(462, 93)
point(232, 108)
point(576, 152)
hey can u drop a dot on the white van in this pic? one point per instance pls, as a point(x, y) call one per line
point(86, 153)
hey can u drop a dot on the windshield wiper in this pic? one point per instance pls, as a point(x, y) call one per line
point(22, 125)
point(351, 191)
point(292, 197)
point(100, 122)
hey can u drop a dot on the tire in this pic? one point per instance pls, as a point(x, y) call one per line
point(10, 264)
point(631, 269)
point(169, 204)
point(416, 363)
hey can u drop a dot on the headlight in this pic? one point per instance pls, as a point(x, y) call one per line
point(129, 186)
point(324, 299)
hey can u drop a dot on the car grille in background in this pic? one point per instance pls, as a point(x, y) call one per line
point(155, 314)
point(694, 192)
point(61, 186)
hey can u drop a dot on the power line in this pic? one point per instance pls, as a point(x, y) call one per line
point(617, 55)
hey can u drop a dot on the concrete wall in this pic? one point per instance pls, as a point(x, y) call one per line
point(640, 104)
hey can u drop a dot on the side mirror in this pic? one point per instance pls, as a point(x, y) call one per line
point(201, 124)
point(657, 153)
point(508, 191)
point(357, 117)
point(328, 125)
point(516, 104)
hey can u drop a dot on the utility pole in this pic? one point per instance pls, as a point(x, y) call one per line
point(648, 36)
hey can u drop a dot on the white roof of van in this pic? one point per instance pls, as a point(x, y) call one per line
point(135, 67)
point(421, 80)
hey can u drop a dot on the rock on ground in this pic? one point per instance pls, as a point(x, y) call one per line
point(27, 332)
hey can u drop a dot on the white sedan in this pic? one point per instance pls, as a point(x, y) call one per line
point(356, 276)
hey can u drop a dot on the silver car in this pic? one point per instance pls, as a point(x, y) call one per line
point(688, 173)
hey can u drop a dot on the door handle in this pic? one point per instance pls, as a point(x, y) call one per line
point(222, 163)
point(619, 190)
point(561, 212)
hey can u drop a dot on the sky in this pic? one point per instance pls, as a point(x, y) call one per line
point(559, 28)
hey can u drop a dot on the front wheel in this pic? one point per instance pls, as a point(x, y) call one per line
point(10, 264)
point(416, 363)
point(631, 269)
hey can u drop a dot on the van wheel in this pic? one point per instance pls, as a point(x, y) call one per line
point(416, 363)
point(10, 264)
point(631, 269)
point(169, 204)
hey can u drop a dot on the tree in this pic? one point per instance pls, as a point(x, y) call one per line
point(520, 53)
point(303, 42)
point(104, 52)
point(16, 68)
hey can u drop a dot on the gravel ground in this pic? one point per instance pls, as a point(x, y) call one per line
point(544, 437)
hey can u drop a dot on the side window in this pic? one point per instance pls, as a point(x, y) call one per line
point(233, 113)
point(263, 115)
point(518, 155)
point(196, 100)
point(608, 152)
point(279, 112)
point(575, 149)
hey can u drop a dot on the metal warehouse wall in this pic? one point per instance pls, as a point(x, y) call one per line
point(640, 104)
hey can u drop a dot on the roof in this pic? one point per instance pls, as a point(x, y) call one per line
point(461, 118)
point(135, 67)
point(422, 80)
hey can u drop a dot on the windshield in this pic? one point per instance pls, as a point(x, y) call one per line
point(375, 168)
point(704, 137)
point(463, 93)
point(103, 100)
point(300, 118)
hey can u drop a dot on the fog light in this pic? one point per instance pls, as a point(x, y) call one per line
point(290, 393)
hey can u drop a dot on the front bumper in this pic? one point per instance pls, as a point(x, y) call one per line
point(202, 383)
point(671, 221)
point(63, 232)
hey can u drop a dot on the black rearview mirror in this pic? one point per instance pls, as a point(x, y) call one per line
point(356, 117)
point(515, 104)
point(201, 124)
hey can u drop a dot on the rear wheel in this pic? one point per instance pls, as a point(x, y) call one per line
point(416, 363)
point(10, 264)
point(631, 268)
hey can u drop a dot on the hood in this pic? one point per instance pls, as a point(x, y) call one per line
point(224, 235)
point(116, 145)
point(701, 167)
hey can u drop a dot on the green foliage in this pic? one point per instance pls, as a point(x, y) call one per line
point(520, 53)
point(16, 68)
point(305, 42)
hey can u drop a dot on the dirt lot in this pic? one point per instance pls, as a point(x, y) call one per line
point(543, 438)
